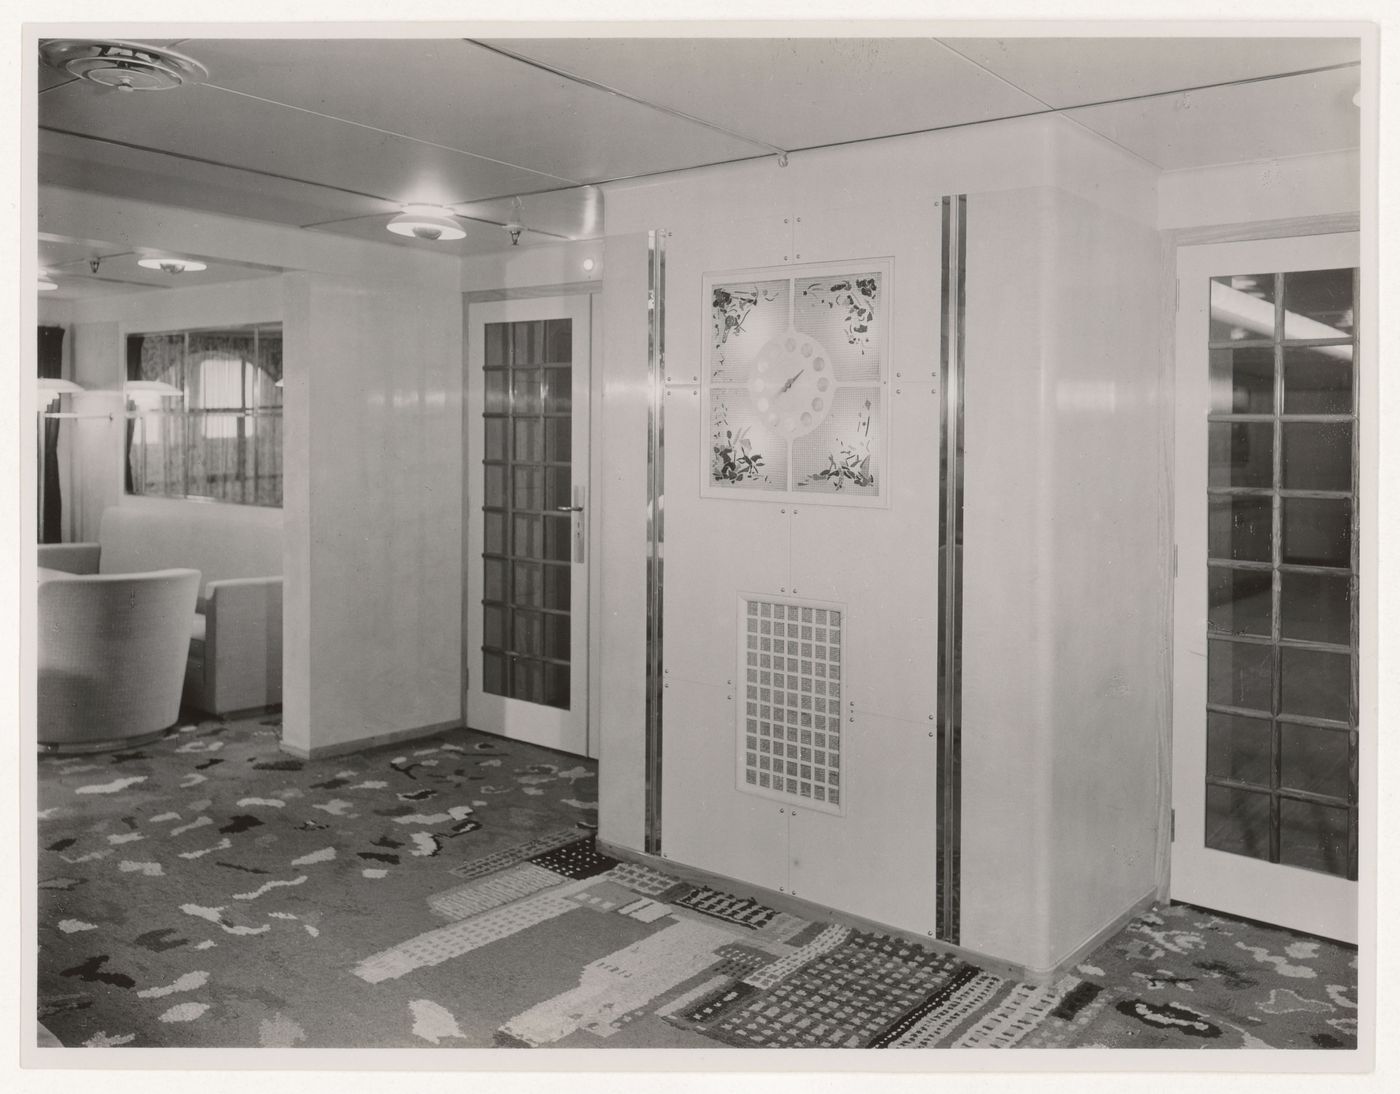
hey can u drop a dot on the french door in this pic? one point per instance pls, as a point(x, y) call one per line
point(527, 520)
point(1266, 742)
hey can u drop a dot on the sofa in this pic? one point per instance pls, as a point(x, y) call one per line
point(235, 632)
point(112, 652)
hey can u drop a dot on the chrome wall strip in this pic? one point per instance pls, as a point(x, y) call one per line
point(950, 569)
point(656, 488)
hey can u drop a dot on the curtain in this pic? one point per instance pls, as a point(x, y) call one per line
point(50, 489)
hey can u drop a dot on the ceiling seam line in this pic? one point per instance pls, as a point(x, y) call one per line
point(584, 81)
point(392, 133)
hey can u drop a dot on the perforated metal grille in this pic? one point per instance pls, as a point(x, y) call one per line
point(790, 703)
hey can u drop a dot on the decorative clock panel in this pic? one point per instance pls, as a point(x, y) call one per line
point(789, 717)
point(796, 383)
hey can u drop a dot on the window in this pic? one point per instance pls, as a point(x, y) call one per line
point(221, 438)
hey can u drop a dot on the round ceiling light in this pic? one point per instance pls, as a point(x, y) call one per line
point(172, 265)
point(125, 66)
point(46, 282)
point(428, 222)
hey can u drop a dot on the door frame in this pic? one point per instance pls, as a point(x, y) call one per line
point(1265, 886)
point(471, 421)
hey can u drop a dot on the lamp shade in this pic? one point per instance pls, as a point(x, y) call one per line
point(426, 222)
point(53, 385)
point(152, 389)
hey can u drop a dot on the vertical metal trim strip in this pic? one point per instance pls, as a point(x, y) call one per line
point(656, 469)
point(949, 714)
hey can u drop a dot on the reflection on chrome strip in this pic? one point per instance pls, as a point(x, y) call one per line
point(656, 375)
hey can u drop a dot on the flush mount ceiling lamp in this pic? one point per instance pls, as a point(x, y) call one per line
point(125, 66)
point(54, 385)
point(172, 266)
point(430, 222)
point(152, 389)
point(46, 281)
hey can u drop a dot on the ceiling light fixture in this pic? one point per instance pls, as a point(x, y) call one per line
point(125, 66)
point(46, 282)
point(55, 385)
point(430, 222)
point(172, 266)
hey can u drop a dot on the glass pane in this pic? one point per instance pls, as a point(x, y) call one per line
point(493, 674)
point(494, 533)
point(495, 438)
point(495, 487)
point(1242, 380)
point(529, 483)
point(557, 439)
point(1241, 601)
point(1241, 454)
point(528, 634)
point(1316, 760)
point(493, 630)
point(1239, 748)
point(527, 343)
point(558, 530)
point(1313, 836)
point(496, 344)
point(1241, 528)
point(497, 391)
point(527, 538)
point(1317, 455)
point(526, 395)
point(556, 686)
point(1317, 381)
point(556, 637)
point(493, 579)
point(1316, 684)
point(527, 440)
point(1240, 674)
point(558, 335)
point(1237, 821)
point(527, 584)
point(557, 487)
point(527, 680)
point(1315, 607)
point(559, 394)
point(1317, 531)
point(1316, 299)
point(1241, 307)
point(556, 587)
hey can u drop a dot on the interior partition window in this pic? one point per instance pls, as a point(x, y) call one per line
point(1281, 767)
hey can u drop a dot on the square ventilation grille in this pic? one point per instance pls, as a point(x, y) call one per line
point(791, 660)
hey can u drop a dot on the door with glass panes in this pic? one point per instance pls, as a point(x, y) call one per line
point(527, 520)
point(1266, 742)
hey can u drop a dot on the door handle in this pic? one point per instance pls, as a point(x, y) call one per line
point(577, 509)
point(568, 508)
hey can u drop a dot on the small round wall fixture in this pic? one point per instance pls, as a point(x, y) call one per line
point(125, 66)
point(172, 266)
point(430, 222)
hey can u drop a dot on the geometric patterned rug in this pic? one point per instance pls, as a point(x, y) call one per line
point(209, 890)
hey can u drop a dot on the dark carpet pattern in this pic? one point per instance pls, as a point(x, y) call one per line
point(210, 890)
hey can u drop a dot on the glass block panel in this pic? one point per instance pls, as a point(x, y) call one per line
point(1239, 748)
point(556, 685)
point(493, 673)
point(558, 338)
point(1317, 532)
point(558, 434)
point(497, 400)
point(526, 396)
point(527, 447)
point(1317, 455)
point(1239, 674)
point(1241, 307)
point(529, 488)
point(493, 625)
point(527, 680)
point(529, 591)
point(527, 634)
point(497, 345)
point(1237, 821)
point(1313, 836)
point(1315, 607)
point(1241, 601)
point(494, 430)
point(495, 485)
point(558, 391)
point(1318, 298)
point(1241, 454)
point(1315, 760)
point(1317, 381)
point(527, 536)
point(493, 578)
point(557, 580)
point(1241, 528)
point(1316, 684)
point(494, 533)
point(556, 636)
point(1242, 380)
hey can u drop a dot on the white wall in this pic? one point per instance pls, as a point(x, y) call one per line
point(1278, 189)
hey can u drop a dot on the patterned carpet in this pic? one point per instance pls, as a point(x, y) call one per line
point(209, 890)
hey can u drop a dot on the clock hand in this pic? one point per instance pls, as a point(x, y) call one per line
point(791, 381)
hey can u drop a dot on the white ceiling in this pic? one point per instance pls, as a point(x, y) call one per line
point(335, 135)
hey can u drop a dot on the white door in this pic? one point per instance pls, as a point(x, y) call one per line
point(1265, 742)
point(527, 520)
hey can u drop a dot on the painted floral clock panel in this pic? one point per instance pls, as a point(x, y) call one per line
point(796, 383)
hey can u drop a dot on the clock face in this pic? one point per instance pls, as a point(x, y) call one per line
point(791, 384)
